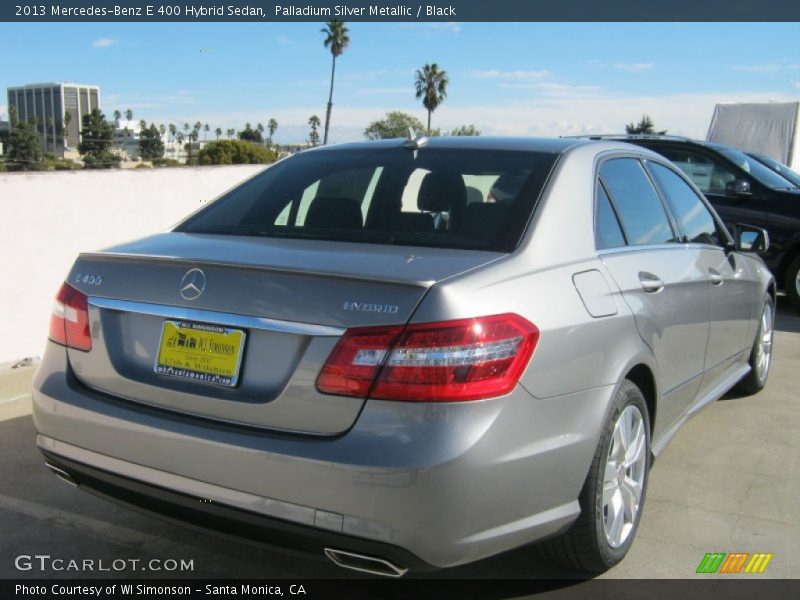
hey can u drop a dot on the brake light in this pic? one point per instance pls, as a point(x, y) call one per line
point(468, 359)
point(69, 323)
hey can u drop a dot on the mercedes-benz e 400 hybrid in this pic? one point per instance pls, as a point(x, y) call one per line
point(409, 354)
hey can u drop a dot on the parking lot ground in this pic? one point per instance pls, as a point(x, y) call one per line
point(729, 482)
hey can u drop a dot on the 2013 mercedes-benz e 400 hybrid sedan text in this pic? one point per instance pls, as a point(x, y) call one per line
point(409, 354)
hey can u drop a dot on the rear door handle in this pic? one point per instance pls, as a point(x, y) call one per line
point(650, 283)
point(715, 277)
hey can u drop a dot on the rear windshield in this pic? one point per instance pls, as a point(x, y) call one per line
point(471, 199)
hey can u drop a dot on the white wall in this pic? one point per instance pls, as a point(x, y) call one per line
point(46, 219)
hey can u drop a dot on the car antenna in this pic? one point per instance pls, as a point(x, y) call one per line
point(414, 142)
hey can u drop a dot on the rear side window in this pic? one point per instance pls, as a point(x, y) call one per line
point(608, 233)
point(474, 199)
point(694, 218)
point(643, 217)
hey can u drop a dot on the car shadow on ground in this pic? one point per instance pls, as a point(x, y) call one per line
point(40, 513)
point(787, 317)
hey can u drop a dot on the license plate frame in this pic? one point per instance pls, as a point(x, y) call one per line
point(190, 364)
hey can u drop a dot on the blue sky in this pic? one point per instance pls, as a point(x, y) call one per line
point(506, 78)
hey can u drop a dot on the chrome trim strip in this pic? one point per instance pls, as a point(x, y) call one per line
point(217, 318)
point(180, 484)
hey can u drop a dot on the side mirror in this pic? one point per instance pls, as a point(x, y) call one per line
point(738, 187)
point(748, 238)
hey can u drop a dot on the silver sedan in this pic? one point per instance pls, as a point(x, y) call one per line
point(409, 354)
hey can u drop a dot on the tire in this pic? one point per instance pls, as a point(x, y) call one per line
point(761, 353)
point(791, 283)
point(587, 546)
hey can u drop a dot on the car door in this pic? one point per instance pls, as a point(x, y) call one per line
point(731, 283)
point(662, 281)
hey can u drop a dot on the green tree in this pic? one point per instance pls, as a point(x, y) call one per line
point(48, 128)
point(395, 124)
point(260, 129)
point(129, 115)
point(336, 40)
point(313, 136)
point(206, 129)
point(272, 127)
point(248, 134)
point(150, 144)
point(464, 130)
point(97, 136)
point(173, 131)
point(117, 115)
point(235, 152)
point(67, 121)
point(230, 133)
point(218, 132)
point(644, 126)
point(25, 152)
point(431, 85)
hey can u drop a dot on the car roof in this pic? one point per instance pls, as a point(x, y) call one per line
point(531, 144)
point(636, 138)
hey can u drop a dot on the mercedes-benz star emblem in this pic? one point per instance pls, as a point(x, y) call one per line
point(193, 284)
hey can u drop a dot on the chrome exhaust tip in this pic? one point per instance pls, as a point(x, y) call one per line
point(61, 474)
point(364, 563)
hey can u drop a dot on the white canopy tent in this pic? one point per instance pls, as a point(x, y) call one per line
point(770, 128)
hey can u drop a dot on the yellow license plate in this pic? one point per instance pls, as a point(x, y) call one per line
point(201, 352)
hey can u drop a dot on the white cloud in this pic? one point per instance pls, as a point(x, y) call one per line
point(510, 75)
point(104, 42)
point(763, 68)
point(634, 67)
point(387, 91)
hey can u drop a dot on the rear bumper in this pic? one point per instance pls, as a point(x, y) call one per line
point(204, 514)
point(421, 484)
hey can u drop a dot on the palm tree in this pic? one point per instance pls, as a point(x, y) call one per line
point(173, 131)
point(431, 83)
point(117, 115)
point(313, 137)
point(218, 132)
point(231, 132)
point(206, 129)
point(162, 130)
point(186, 127)
point(272, 126)
point(129, 115)
point(336, 39)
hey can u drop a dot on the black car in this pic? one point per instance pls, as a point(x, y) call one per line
point(742, 190)
point(780, 168)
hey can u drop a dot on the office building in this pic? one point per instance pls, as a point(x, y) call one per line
point(49, 104)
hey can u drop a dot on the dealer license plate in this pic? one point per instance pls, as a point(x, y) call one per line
point(201, 352)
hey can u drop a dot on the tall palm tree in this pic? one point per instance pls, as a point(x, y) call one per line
point(129, 115)
point(313, 137)
point(218, 132)
point(173, 131)
point(117, 115)
point(231, 132)
point(260, 128)
point(272, 126)
point(431, 83)
point(206, 129)
point(336, 40)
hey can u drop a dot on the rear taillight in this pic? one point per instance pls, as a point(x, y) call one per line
point(69, 323)
point(468, 359)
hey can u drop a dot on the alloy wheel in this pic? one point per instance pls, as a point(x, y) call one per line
point(764, 345)
point(623, 480)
